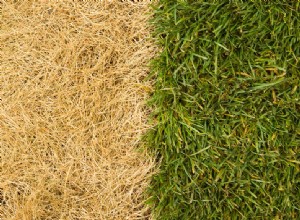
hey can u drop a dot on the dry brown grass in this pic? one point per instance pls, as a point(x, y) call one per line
point(72, 109)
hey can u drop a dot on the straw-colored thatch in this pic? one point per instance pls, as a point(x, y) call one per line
point(72, 109)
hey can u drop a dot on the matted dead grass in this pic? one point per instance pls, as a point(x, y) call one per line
point(72, 109)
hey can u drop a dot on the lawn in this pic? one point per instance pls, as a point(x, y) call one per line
point(72, 109)
point(227, 110)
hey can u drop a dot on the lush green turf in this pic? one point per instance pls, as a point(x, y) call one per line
point(227, 103)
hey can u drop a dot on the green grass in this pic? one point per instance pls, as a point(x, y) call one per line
point(227, 108)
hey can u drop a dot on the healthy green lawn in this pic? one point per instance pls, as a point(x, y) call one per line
point(227, 103)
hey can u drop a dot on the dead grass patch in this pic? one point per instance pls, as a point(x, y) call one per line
point(72, 109)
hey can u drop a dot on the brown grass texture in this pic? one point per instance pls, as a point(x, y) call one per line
point(72, 109)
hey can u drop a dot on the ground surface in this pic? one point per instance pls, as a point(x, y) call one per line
point(72, 109)
point(227, 107)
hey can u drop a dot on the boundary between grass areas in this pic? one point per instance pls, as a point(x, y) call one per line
point(227, 110)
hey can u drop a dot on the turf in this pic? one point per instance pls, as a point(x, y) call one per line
point(72, 109)
point(227, 110)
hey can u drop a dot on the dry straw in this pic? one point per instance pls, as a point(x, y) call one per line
point(72, 109)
